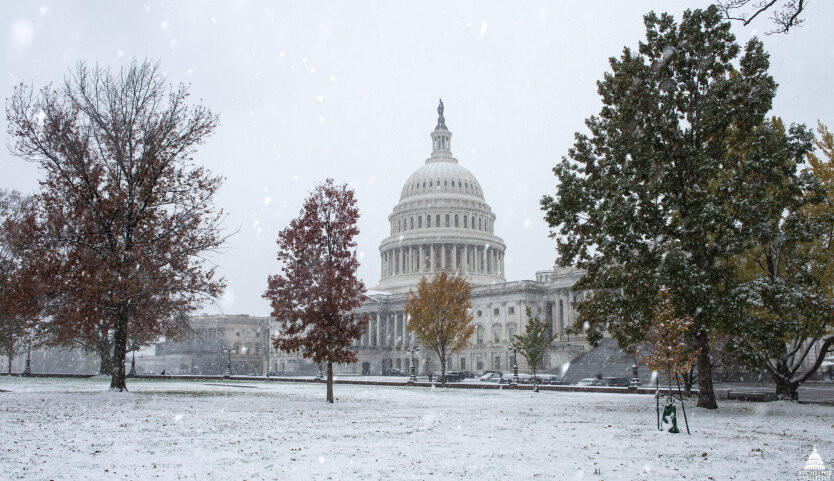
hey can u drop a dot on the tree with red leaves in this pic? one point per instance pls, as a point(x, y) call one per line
point(123, 218)
point(18, 306)
point(313, 297)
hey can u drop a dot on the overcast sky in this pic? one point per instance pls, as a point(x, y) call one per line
point(310, 90)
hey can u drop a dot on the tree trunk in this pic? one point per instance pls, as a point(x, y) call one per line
point(329, 382)
point(443, 372)
point(689, 381)
point(786, 390)
point(104, 366)
point(117, 382)
point(706, 394)
point(103, 347)
point(10, 363)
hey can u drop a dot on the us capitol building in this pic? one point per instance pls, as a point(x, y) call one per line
point(442, 221)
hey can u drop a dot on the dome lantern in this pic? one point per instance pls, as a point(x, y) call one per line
point(441, 137)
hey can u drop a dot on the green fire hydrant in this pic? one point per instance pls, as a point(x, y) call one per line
point(671, 412)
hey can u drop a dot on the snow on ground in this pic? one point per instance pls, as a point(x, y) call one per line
point(75, 429)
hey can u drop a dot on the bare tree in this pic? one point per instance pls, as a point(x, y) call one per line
point(784, 13)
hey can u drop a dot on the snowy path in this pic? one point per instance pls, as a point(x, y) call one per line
point(71, 429)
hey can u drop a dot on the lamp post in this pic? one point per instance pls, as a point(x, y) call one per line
point(319, 374)
point(228, 350)
point(266, 352)
point(132, 360)
point(635, 378)
point(27, 371)
point(511, 349)
point(414, 350)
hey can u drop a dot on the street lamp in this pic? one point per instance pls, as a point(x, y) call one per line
point(635, 378)
point(266, 352)
point(414, 350)
point(319, 374)
point(511, 349)
point(228, 350)
point(132, 372)
point(27, 371)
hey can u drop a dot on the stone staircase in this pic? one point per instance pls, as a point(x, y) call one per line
point(606, 359)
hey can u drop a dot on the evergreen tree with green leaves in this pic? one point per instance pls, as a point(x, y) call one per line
point(787, 322)
point(665, 188)
point(533, 343)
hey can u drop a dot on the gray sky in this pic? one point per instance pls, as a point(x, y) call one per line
point(309, 90)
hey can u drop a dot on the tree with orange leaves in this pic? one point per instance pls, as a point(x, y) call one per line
point(440, 315)
point(667, 348)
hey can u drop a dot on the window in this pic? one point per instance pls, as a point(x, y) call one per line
point(447, 225)
point(512, 310)
point(445, 183)
point(480, 360)
point(437, 220)
point(428, 220)
point(479, 333)
point(399, 365)
point(479, 313)
point(497, 362)
point(473, 221)
point(420, 222)
point(465, 218)
point(456, 221)
point(479, 224)
point(399, 227)
point(511, 328)
point(496, 311)
point(430, 184)
point(462, 363)
point(496, 333)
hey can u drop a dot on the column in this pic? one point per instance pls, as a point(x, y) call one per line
point(420, 259)
point(484, 260)
point(431, 258)
point(454, 257)
point(468, 260)
point(442, 256)
point(378, 333)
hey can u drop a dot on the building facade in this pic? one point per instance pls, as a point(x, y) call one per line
point(443, 222)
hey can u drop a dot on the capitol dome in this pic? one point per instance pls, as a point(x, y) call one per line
point(441, 222)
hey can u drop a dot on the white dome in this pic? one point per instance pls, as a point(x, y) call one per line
point(441, 222)
point(441, 176)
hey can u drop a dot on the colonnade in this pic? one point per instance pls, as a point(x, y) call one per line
point(426, 258)
point(386, 329)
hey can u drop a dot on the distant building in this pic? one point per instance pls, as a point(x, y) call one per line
point(442, 221)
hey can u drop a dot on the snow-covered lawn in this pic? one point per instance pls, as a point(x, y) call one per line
point(74, 429)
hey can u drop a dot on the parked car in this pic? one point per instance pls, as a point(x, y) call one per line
point(548, 379)
point(617, 381)
point(491, 377)
point(522, 379)
point(451, 376)
point(394, 372)
point(590, 381)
